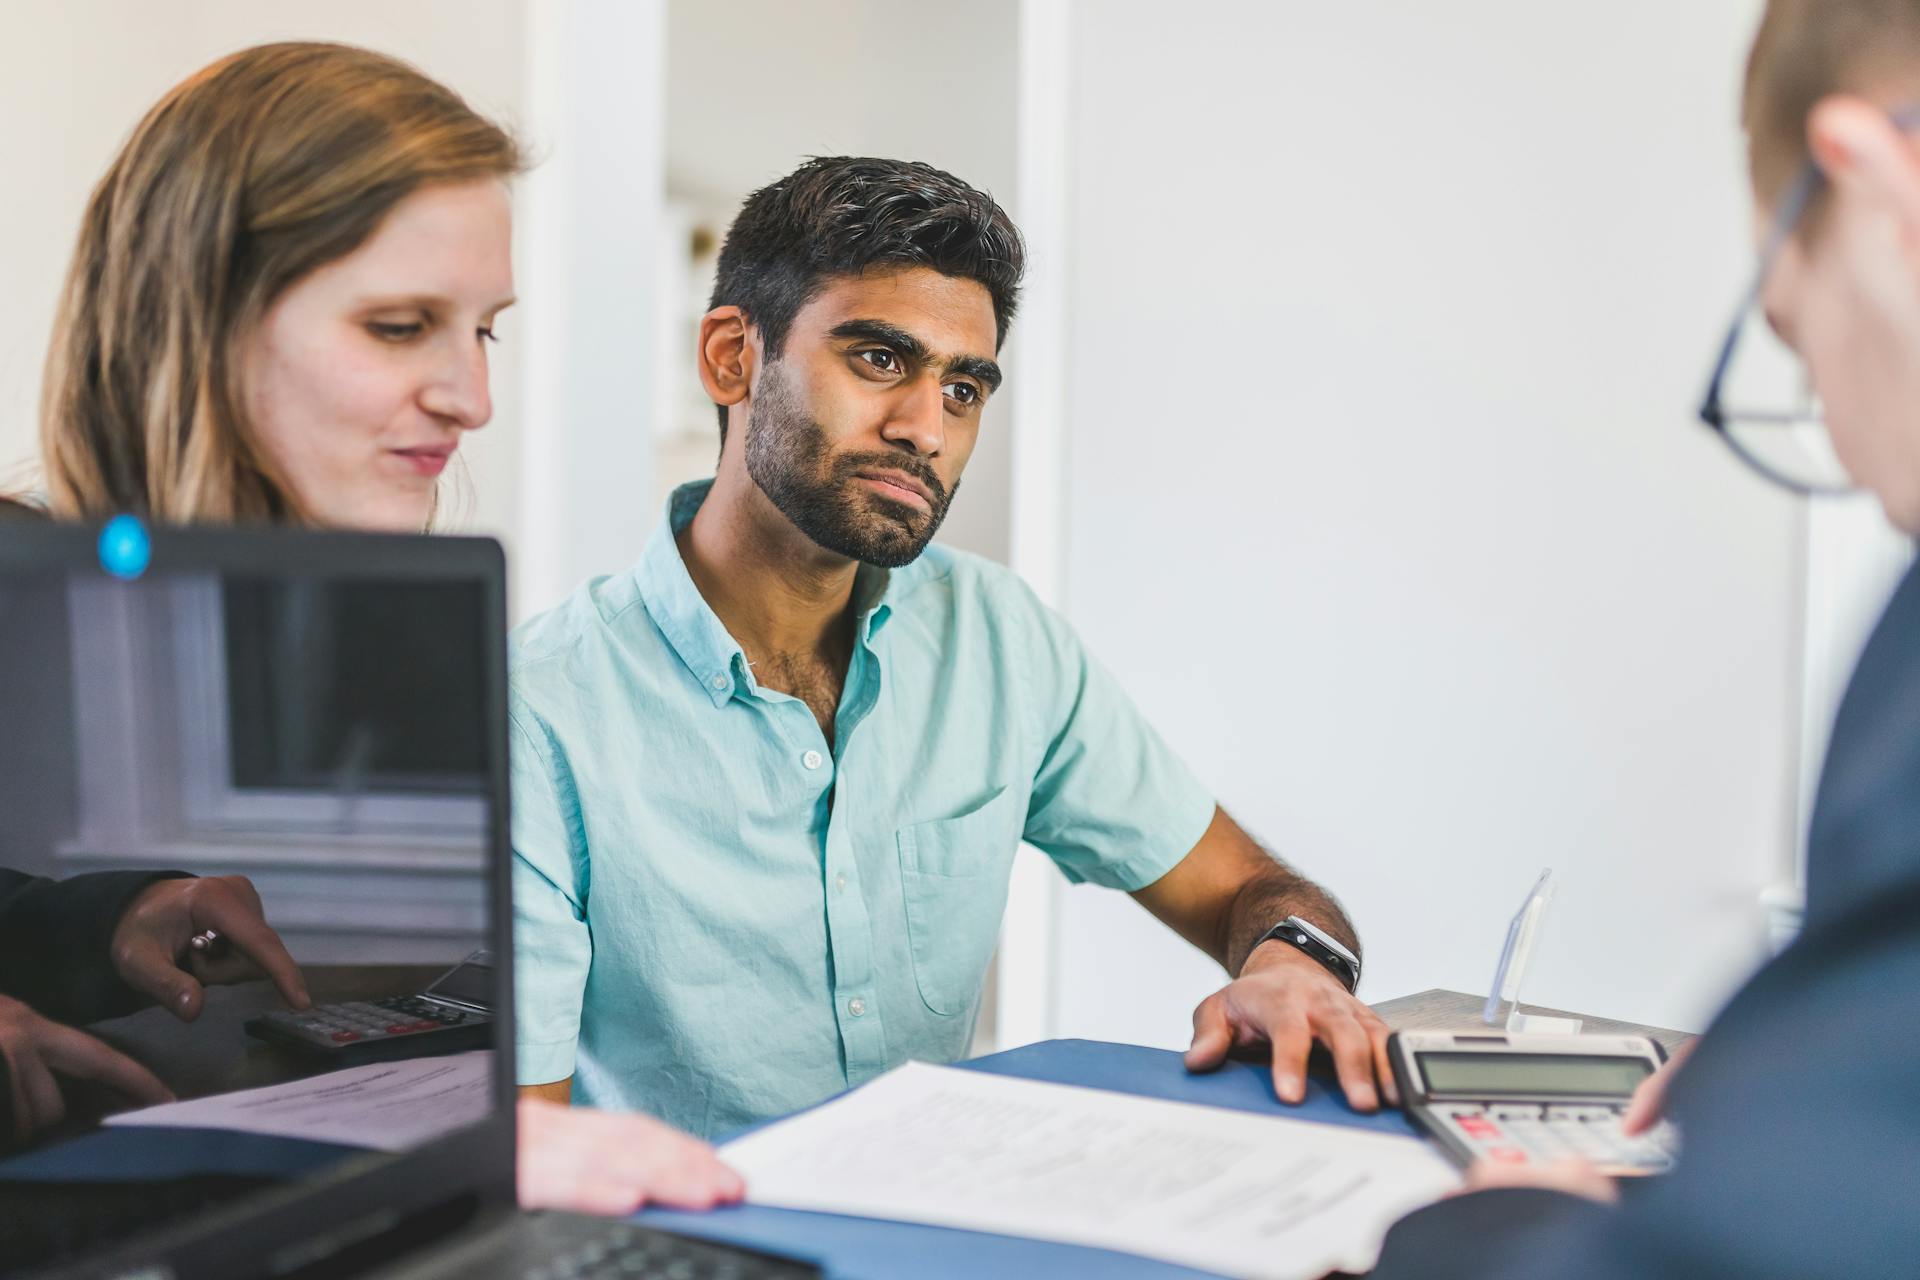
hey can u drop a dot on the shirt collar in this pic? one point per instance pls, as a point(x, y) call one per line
point(690, 624)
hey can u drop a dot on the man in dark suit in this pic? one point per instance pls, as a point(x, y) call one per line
point(1800, 1108)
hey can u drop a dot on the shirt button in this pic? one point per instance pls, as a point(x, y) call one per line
point(840, 882)
point(813, 759)
point(857, 1007)
point(718, 684)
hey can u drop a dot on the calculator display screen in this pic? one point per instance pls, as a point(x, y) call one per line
point(1491, 1075)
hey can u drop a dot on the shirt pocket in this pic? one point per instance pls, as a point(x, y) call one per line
point(953, 877)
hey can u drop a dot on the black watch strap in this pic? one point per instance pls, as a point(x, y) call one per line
point(1291, 932)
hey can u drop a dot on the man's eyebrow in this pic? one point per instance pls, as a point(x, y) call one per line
point(915, 350)
point(978, 367)
point(891, 334)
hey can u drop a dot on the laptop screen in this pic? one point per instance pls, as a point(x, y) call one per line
point(248, 872)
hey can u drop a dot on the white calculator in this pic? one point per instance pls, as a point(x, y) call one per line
point(1513, 1098)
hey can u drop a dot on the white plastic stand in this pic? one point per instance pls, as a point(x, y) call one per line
point(1514, 957)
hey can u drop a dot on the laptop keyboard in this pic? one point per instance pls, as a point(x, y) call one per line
point(41, 1222)
point(622, 1251)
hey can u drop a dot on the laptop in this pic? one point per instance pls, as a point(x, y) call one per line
point(302, 737)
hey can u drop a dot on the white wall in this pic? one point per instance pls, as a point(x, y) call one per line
point(75, 78)
point(1385, 497)
point(588, 254)
point(1382, 324)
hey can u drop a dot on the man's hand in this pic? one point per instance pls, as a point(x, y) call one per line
point(1570, 1177)
point(611, 1163)
point(36, 1049)
point(1284, 998)
point(151, 950)
point(1650, 1098)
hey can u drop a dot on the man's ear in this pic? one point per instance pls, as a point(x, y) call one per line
point(1863, 153)
point(726, 355)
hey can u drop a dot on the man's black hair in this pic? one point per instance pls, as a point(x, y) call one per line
point(842, 215)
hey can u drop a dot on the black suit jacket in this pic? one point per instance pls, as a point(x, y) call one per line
point(1800, 1109)
point(54, 941)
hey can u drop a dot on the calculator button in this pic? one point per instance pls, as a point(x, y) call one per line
point(1507, 1155)
point(342, 1037)
point(1543, 1141)
point(426, 1024)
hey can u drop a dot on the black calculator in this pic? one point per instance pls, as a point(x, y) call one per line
point(454, 1013)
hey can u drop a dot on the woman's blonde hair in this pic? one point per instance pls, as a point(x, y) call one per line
point(243, 179)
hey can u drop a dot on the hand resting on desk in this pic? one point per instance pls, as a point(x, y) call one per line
point(35, 1050)
point(1286, 1000)
point(609, 1162)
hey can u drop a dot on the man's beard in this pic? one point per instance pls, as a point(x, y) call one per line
point(789, 457)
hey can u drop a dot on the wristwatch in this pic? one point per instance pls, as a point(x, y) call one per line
point(1316, 942)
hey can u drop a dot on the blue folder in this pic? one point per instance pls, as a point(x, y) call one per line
point(868, 1249)
point(845, 1248)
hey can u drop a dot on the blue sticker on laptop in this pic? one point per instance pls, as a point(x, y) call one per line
point(125, 548)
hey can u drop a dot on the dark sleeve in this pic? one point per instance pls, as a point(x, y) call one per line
point(1513, 1231)
point(54, 941)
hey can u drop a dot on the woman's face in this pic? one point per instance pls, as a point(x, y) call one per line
point(364, 375)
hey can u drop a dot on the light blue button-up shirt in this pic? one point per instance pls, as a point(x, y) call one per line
point(718, 917)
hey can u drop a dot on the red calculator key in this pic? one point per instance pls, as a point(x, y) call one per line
point(1507, 1155)
point(401, 1028)
point(426, 1024)
point(341, 1037)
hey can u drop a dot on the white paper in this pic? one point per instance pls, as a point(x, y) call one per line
point(1227, 1191)
point(387, 1106)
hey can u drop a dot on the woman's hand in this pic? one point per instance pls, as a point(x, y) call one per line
point(611, 1162)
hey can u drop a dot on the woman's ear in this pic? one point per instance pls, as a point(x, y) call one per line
point(1865, 155)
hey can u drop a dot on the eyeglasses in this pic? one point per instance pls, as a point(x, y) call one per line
point(1789, 444)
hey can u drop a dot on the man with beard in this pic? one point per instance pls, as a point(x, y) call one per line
point(769, 783)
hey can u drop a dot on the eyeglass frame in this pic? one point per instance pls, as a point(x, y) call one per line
point(1713, 411)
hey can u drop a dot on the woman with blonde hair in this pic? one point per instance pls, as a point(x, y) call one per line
point(280, 301)
point(278, 312)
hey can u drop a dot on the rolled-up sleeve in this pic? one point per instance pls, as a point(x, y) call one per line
point(1111, 804)
point(552, 944)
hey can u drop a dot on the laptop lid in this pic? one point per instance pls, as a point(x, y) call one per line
point(313, 722)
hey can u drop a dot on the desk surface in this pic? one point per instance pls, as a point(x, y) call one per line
point(1439, 1010)
point(214, 1054)
point(861, 1249)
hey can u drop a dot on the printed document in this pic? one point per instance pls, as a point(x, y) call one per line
point(1226, 1191)
point(387, 1106)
